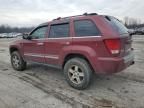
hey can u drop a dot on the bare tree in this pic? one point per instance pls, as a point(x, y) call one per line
point(132, 22)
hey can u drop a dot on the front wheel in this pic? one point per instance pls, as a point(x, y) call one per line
point(17, 61)
point(77, 73)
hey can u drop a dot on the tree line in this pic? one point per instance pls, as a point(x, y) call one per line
point(9, 29)
point(133, 22)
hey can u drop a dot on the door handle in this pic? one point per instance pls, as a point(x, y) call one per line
point(40, 43)
point(66, 43)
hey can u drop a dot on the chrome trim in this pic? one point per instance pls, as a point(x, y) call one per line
point(87, 37)
point(59, 38)
point(33, 55)
point(67, 37)
point(41, 43)
point(42, 56)
point(52, 57)
point(74, 37)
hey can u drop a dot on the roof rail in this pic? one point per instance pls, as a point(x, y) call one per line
point(86, 14)
point(66, 17)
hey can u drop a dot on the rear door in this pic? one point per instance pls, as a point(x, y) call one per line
point(86, 35)
point(57, 42)
point(34, 48)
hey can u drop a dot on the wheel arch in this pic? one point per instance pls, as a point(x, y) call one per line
point(12, 49)
point(76, 55)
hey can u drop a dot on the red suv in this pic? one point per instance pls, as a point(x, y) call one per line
point(80, 45)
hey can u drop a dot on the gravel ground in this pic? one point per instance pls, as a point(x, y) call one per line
point(43, 87)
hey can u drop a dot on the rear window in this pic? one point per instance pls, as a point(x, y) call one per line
point(85, 28)
point(116, 25)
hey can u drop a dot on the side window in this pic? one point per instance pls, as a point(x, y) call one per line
point(39, 33)
point(85, 28)
point(59, 30)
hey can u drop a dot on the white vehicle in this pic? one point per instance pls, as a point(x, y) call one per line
point(3, 35)
point(10, 35)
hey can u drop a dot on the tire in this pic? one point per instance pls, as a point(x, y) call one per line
point(78, 73)
point(17, 61)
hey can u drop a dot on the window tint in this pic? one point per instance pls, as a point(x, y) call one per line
point(39, 33)
point(86, 28)
point(59, 30)
point(116, 25)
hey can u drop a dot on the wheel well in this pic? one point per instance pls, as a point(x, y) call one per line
point(13, 49)
point(70, 56)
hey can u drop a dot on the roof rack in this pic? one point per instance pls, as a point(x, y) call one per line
point(85, 14)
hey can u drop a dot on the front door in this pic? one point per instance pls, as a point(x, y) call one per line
point(34, 47)
point(57, 42)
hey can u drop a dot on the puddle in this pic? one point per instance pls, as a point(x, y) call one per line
point(4, 69)
point(2, 50)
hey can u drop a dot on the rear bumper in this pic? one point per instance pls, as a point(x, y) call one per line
point(113, 65)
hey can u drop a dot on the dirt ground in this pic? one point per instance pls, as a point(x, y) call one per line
point(43, 87)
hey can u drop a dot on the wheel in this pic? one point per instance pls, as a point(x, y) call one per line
point(78, 73)
point(17, 61)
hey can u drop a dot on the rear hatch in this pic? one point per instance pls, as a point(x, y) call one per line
point(123, 35)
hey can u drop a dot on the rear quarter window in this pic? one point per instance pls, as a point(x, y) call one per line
point(116, 25)
point(85, 28)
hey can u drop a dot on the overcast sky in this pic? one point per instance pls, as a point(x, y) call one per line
point(33, 12)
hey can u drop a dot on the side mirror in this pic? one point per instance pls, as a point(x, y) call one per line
point(27, 36)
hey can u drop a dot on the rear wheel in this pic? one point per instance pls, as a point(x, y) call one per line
point(77, 73)
point(17, 61)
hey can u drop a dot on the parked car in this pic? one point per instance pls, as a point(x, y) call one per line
point(139, 31)
point(131, 31)
point(3, 35)
point(80, 45)
point(10, 35)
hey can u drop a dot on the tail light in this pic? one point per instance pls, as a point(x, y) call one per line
point(113, 45)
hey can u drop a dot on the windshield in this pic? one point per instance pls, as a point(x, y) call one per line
point(116, 25)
